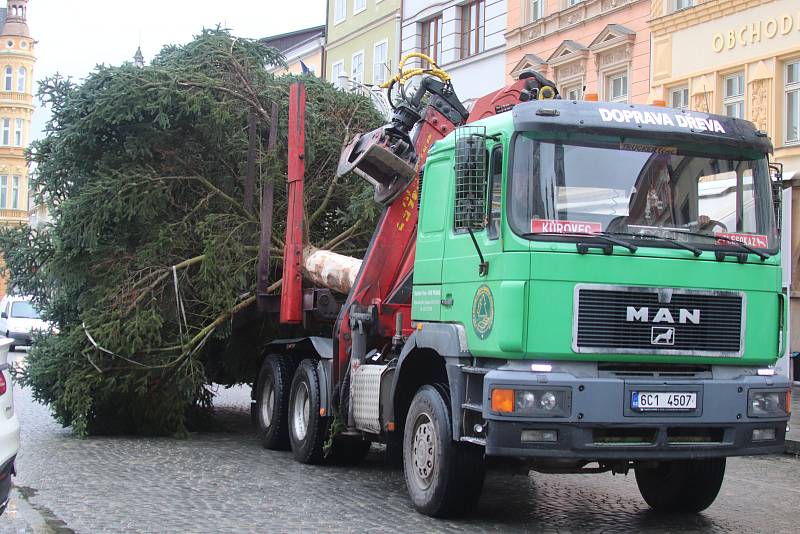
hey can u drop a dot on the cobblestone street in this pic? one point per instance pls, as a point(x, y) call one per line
point(224, 481)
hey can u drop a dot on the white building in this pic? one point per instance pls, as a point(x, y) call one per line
point(465, 39)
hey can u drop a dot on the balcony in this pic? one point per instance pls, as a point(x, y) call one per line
point(16, 99)
point(12, 151)
point(12, 215)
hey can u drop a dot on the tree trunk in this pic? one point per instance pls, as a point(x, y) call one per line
point(329, 269)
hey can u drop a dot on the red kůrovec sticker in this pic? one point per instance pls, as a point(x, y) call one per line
point(565, 227)
point(753, 240)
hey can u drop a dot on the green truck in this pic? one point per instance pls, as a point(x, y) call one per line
point(591, 287)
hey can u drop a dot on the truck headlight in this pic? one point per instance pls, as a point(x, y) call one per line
point(539, 402)
point(767, 403)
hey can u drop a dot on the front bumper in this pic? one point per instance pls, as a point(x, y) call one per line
point(602, 426)
point(5, 482)
point(21, 338)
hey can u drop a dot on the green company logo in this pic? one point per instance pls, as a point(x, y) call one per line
point(483, 312)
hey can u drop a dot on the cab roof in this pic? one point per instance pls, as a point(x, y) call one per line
point(667, 125)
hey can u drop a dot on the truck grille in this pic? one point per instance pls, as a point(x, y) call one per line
point(658, 321)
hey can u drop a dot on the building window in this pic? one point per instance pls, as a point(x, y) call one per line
point(358, 67)
point(681, 4)
point(3, 191)
point(339, 11)
point(432, 39)
point(359, 6)
point(792, 81)
point(9, 78)
point(679, 98)
point(18, 132)
point(6, 132)
point(570, 3)
point(22, 73)
point(337, 71)
point(572, 92)
point(379, 66)
point(537, 9)
point(733, 95)
point(15, 192)
point(473, 22)
point(617, 87)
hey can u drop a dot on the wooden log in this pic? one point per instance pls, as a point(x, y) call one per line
point(336, 272)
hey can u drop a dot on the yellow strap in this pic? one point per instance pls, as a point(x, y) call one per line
point(404, 75)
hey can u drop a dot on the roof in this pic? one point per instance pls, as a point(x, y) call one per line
point(285, 41)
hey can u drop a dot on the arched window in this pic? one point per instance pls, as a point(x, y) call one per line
point(22, 73)
point(9, 78)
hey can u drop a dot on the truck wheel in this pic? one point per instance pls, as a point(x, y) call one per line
point(272, 401)
point(444, 478)
point(307, 429)
point(681, 485)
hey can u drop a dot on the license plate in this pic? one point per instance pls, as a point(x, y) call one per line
point(663, 400)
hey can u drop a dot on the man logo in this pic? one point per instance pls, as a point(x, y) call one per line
point(662, 315)
point(662, 335)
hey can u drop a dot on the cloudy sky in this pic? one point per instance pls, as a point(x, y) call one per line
point(73, 37)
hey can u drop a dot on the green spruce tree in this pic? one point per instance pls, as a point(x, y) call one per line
point(148, 268)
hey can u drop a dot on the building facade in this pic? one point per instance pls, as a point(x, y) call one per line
point(464, 38)
point(584, 46)
point(362, 41)
point(739, 58)
point(16, 110)
point(304, 51)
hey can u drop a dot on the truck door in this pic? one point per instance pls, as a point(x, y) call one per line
point(434, 193)
point(489, 300)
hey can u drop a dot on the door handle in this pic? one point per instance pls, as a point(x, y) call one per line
point(447, 301)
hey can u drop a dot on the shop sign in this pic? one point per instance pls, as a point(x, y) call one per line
point(754, 32)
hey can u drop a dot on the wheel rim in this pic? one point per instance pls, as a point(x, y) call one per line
point(300, 411)
point(267, 403)
point(423, 451)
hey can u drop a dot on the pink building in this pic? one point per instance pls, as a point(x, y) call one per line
point(585, 46)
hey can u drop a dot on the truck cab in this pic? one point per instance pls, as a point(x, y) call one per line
point(610, 277)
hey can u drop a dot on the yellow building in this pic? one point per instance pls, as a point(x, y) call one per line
point(734, 57)
point(16, 109)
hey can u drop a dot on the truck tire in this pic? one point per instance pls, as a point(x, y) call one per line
point(307, 428)
point(681, 485)
point(444, 478)
point(272, 402)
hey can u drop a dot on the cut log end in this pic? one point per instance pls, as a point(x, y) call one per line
point(324, 268)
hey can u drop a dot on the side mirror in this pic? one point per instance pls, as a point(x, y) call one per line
point(4, 315)
point(777, 191)
point(471, 178)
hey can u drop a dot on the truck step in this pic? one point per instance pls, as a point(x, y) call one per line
point(475, 370)
point(474, 441)
point(472, 406)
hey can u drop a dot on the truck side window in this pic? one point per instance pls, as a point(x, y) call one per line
point(495, 192)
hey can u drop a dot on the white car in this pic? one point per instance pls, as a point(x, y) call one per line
point(18, 319)
point(9, 425)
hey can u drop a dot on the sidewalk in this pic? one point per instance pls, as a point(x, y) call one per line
point(793, 436)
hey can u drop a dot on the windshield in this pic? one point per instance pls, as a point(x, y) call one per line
point(23, 310)
point(641, 190)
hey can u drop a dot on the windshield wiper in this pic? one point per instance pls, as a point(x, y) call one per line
point(748, 248)
point(680, 244)
point(620, 243)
